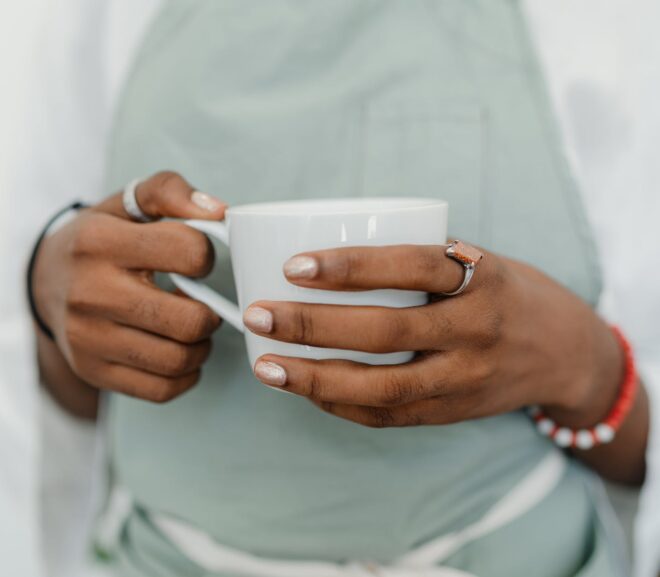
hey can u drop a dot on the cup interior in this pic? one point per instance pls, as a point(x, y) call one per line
point(336, 206)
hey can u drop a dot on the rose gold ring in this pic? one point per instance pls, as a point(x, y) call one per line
point(469, 257)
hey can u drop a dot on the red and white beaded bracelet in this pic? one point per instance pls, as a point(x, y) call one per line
point(603, 432)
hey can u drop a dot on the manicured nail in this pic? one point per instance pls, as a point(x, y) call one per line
point(258, 319)
point(270, 373)
point(206, 202)
point(301, 267)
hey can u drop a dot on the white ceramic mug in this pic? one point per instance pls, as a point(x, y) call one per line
point(262, 237)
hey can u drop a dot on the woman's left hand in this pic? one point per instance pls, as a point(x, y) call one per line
point(513, 338)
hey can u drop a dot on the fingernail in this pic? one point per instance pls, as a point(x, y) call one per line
point(258, 319)
point(301, 267)
point(270, 373)
point(206, 202)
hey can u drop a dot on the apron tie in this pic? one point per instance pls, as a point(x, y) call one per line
point(424, 561)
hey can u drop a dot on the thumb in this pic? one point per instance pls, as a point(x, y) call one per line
point(168, 194)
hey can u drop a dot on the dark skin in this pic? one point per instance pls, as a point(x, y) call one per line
point(115, 330)
point(513, 325)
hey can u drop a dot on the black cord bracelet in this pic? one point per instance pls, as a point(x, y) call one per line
point(30, 269)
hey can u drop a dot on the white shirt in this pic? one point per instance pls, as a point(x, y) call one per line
point(604, 82)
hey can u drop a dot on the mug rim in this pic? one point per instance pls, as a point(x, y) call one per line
point(335, 206)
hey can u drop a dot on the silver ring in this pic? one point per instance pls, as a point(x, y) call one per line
point(469, 257)
point(131, 205)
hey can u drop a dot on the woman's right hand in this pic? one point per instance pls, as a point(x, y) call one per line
point(93, 286)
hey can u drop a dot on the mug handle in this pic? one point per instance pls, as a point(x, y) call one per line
point(228, 310)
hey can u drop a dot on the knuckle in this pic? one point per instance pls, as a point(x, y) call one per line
point(157, 190)
point(433, 323)
point(426, 262)
point(146, 309)
point(445, 411)
point(496, 272)
point(183, 384)
point(395, 391)
point(199, 254)
point(348, 265)
point(481, 373)
point(136, 357)
point(314, 387)
point(161, 394)
point(408, 418)
point(180, 360)
point(490, 330)
point(198, 323)
point(191, 250)
point(304, 325)
point(395, 330)
point(444, 417)
point(440, 385)
point(327, 407)
point(86, 291)
point(378, 418)
point(168, 389)
point(469, 407)
point(413, 420)
point(167, 181)
point(77, 298)
point(142, 241)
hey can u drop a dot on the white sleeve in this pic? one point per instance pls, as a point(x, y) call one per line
point(632, 303)
point(647, 528)
point(604, 83)
point(58, 111)
point(630, 252)
point(646, 281)
point(70, 59)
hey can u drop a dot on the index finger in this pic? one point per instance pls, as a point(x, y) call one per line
point(167, 194)
point(424, 268)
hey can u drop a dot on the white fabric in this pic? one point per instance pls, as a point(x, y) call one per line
point(425, 561)
point(601, 58)
point(62, 63)
point(18, 439)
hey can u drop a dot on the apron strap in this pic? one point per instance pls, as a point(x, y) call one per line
point(422, 562)
point(113, 519)
point(535, 487)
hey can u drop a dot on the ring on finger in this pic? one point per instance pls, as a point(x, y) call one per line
point(131, 206)
point(466, 255)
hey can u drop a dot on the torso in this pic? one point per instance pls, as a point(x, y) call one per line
point(296, 99)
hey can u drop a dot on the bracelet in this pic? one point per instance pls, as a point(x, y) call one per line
point(604, 432)
point(30, 269)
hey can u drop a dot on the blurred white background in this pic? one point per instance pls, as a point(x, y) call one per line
point(19, 25)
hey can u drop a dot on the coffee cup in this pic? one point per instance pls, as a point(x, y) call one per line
point(262, 237)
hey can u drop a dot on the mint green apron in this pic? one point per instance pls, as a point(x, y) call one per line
point(283, 99)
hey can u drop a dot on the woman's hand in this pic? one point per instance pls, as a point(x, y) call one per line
point(93, 287)
point(513, 338)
